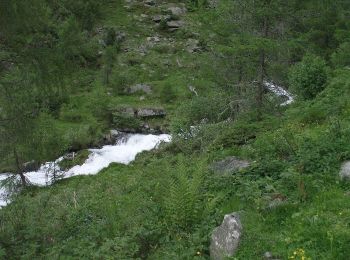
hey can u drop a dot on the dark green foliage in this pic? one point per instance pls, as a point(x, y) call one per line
point(308, 77)
point(341, 57)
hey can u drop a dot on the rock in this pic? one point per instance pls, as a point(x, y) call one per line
point(157, 18)
point(270, 256)
point(30, 166)
point(192, 46)
point(214, 3)
point(139, 87)
point(174, 25)
point(225, 238)
point(127, 111)
point(150, 2)
point(120, 36)
point(153, 39)
point(151, 112)
point(345, 171)
point(229, 165)
point(69, 156)
point(176, 11)
point(193, 90)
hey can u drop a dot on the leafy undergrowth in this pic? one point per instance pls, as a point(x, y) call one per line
point(165, 204)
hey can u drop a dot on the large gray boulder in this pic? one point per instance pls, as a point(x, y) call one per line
point(225, 238)
point(345, 171)
point(229, 165)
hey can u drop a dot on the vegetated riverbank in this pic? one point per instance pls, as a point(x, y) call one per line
point(207, 66)
point(124, 151)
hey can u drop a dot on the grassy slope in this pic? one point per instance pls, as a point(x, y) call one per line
point(125, 211)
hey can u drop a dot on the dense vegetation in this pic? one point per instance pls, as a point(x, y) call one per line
point(64, 69)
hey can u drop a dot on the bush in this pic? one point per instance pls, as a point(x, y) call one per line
point(308, 77)
point(341, 57)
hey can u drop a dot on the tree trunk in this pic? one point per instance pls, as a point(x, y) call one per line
point(19, 168)
point(262, 72)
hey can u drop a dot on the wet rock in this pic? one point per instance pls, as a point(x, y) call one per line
point(345, 171)
point(226, 238)
point(30, 166)
point(229, 165)
point(69, 156)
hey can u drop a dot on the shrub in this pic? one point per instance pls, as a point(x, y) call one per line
point(308, 77)
point(341, 57)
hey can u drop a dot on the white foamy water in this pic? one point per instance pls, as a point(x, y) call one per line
point(279, 91)
point(124, 152)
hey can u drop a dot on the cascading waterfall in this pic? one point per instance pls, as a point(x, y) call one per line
point(124, 152)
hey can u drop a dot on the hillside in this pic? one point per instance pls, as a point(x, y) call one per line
point(255, 95)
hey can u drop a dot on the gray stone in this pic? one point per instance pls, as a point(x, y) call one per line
point(157, 18)
point(225, 238)
point(230, 164)
point(151, 112)
point(345, 171)
point(127, 111)
point(174, 25)
point(214, 3)
point(153, 39)
point(270, 256)
point(192, 46)
point(176, 11)
point(69, 156)
point(139, 87)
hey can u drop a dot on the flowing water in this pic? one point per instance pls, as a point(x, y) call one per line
point(124, 151)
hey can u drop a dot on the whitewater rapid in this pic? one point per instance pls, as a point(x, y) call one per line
point(124, 152)
point(279, 91)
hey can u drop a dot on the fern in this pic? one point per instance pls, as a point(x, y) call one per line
point(183, 200)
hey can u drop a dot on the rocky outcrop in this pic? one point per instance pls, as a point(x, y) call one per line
point(229, 165)
point(345, 171)
point(137, 120)
point(142, 112)
point(226, 238)
point(150, 112)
